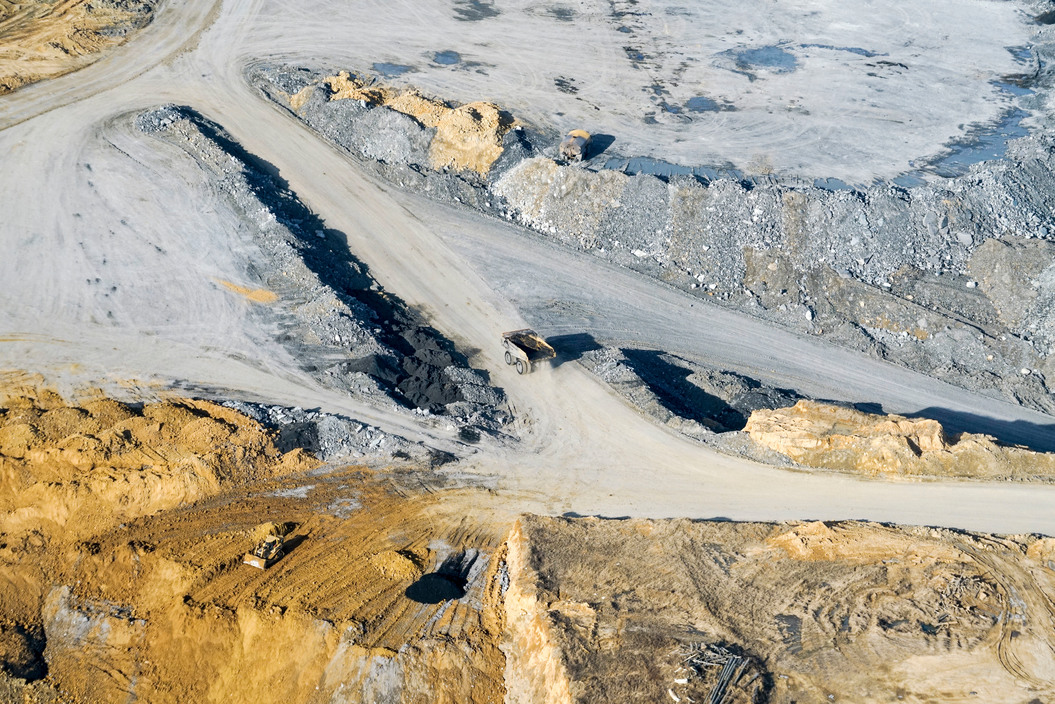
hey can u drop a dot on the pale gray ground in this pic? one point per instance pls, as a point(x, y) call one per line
point(157, 316)
point(854, 90)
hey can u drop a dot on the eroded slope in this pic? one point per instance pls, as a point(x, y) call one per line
point(638, 610)
point(44, 39)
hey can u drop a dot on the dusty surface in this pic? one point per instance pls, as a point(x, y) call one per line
point(818, 612)
point(76, 469)
point(154, 199)
point(796, 89)
point(385, 592)
point(834, 437)
point(41, 40)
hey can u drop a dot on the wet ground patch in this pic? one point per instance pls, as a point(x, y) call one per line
point(475, 10)
point(768, 59)
point(447, 58)
point(392, 70)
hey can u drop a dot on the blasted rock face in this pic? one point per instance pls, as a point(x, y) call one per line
point(1018, 275)
point(843, 439)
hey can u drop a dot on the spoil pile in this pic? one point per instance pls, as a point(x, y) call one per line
point(43, 39)
point(122, 531)
point(639, 610)
point(464, 138)
point(333, 315)
point(77, 469)
point(834, 437)
point(901, 273)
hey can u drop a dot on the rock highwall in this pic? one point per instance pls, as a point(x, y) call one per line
point(834, 437)
point(535, 672)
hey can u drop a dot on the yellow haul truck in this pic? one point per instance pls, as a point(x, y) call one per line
point(524, 348)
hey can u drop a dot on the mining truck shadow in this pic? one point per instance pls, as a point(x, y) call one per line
point(416, 379)
point(599, 143)
point(571, 347)
point(1035, 436)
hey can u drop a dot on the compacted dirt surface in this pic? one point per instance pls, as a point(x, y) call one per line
point(256, 259)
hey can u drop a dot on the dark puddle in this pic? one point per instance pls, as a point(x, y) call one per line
point(769, 58)
point(985, 144)
point(565, 85)
point(664, 169)
point(832, 184)
point(563, 13)
point(447, 58)
point(702, 104)
point(851, 49)
point(392, 70)
point(474, 10)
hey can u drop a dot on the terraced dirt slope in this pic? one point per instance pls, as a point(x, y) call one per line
point(635, 610)
point(383, 591)
point(44, 39)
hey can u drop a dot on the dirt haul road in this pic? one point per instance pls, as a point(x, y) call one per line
point(584, 450)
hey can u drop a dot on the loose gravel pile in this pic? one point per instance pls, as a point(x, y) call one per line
point(342, 326)
point(954, 277)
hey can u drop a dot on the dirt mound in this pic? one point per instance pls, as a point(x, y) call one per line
point(83, 468)
point(40, 40)
point(635, 610)
point(833, 437)
point(331, 313)
point(161, 608)
point(467, 138)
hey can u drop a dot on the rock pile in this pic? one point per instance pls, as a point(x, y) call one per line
point(332, 314)
point(833, 437)
point(902, 273)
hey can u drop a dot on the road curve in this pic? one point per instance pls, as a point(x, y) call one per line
point(583, 450)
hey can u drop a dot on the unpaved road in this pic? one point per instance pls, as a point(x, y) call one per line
point(68, 229)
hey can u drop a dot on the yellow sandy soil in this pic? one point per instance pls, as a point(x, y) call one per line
point(40, 39)
point(611, 610)
point(86, 467)
point(833, 437)
point(256, 295)
point(122, 532)
point(468, 137)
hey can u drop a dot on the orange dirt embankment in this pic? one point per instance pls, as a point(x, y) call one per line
point(87, 467)
point(169, 612)
point(468, 137)
point(122, 532)
point(41, 39)
point(847, 440)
